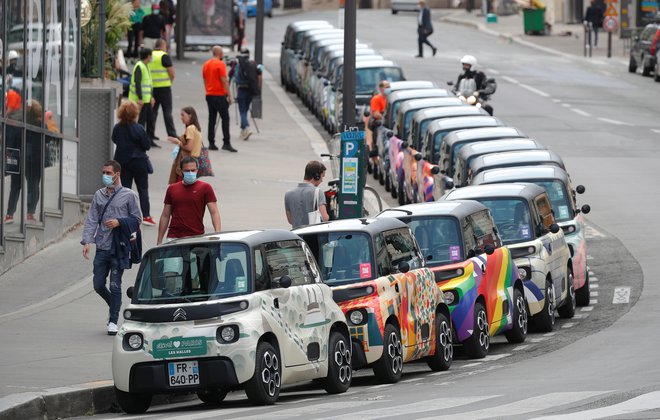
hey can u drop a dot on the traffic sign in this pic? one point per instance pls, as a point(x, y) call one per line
point(611, 9)
point(610, 24)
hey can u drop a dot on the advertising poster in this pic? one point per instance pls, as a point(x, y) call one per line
point(209, 22)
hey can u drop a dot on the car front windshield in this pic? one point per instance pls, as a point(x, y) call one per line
point(344, 257)
point(193, 272)
point(561, 202)
point(439, 239)
point(512, 218)
point(367, 79)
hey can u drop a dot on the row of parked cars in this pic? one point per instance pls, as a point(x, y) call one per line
point(257, 310)
point(312, 66)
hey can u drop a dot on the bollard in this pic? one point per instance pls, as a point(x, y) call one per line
point(587, 38)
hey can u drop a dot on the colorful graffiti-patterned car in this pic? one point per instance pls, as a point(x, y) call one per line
point(395, 310)
point(212, 313)
point(476, 273)
point(569, 216)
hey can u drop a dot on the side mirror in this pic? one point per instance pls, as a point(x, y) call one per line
point(389, 134)
point(378, 123)
point(471, 253)
point(450, 83)
point(636, 38)
point(418, 157)
point(554, 228)
point(129, 292)
point(285, 282)
point(580, 189)
point(489, 249)
point(326, 83)
point(403, 267)
point(435, 170)
point(404, 144)
point(585, 208)
point(449, 184)
point(367, 113)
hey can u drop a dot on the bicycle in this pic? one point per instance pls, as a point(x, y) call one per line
point(371, 202)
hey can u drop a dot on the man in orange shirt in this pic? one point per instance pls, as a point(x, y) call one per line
point(377, 109)
point(218, 97)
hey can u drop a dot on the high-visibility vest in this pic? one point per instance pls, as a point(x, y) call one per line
point(145, 84)
point(159, 75)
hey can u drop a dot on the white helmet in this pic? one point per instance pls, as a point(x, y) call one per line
point(469, 59)
point(13, 55)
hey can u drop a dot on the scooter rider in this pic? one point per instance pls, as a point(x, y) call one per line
point(480, 83)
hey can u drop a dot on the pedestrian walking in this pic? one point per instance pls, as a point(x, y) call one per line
point(185, 204)
point(305, 204)
point(153, 27)
point(240, 18)
point(112, 207)
point(218, 97)
point(137, 14)
point(140, 91)
point(424, 29)
point(132, 144)
point(162, 76)
point(247, 76)
point(167, 11)
point(188, 145)
point(594, 16)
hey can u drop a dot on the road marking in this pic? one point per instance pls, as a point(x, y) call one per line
point(493, 71)
point(412, 380)
point(593, 301)
point(593, 279)
point(593, 294)
point(655, 130)
point(591, 273)
point(439, 373)
point(273, 55)
point(522, 347)
point(621, 295)
point(589, 257)
point(644, 402)
point(493, 357)
point(581, 112)
point(538, 339)
point(535, 90)
point(580, 316)
point(593, 286)
point(587, 309)
point(511, 80)
point(615, 122)
point(380, 386)
point(556, 101)
point(565, 105)
point(550, 334)
point(470, 365)
point(568, 325)
point(592, 232)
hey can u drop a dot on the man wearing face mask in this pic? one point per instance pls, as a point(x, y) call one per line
point(377, 109)
point(185, 204)
point(110, 206)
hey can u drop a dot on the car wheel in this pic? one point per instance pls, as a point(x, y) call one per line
point(389, 367)
point(394, 12)
point(518, 332)
point(212, 396)
point(583, 294)
point(567, 310)
point(393, 190)
point(340, 372)
point(133, 403)
point(632, 65)
point(381, 178)
point(386, 180)
point(476, 347)
point(444, 348)
point(376, 172)
point(646, 70)
point(545, 320)
point(264, 386)
point(402, 194)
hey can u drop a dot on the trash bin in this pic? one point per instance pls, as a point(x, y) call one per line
point(534, 21)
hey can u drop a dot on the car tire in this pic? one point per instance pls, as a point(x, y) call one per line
point(381, 178)
point(632, 65)
point(444, 347)
point(393, 190)
point(376, 172)
point(545, 320)
point(567, 310)
point(583, 294)
point(340, 372)
point(388, 188)
point(264, 386)
point(646, 70)
point(389, 367)
point(394, 12)
point(476, 347)
point(518, 332)
point(212, 396)
point(133, 403)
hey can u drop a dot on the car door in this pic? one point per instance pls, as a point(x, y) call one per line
point(301, 306)
point(554, 243)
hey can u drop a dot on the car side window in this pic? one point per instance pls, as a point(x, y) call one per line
point(382, 259)
point(544, 210)
point(401, 247)
point(261, 280)
point(288, 258)
point(484, 229)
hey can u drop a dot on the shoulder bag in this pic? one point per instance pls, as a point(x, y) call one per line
point(314, 216)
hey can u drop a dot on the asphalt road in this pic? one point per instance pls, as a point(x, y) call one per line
point(603, 363)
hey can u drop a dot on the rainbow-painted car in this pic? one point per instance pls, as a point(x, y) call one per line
point(476, 273)
point(395, 311)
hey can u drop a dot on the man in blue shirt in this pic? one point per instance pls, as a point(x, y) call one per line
point(108, 205)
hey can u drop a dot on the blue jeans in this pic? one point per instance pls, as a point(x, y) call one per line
point(104, 263)
point(244, 98)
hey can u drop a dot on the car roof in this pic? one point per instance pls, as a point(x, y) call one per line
point(302, 23)
point(400, 95)
point(537, 155)
point(521, 174)
point(474, 192)
point(250, 237)
point(492, 146)
point(412, 84)
point(458, 208)
point(420, 103)
point(362, 57)
point(338, 49)
point(486, 133)
point(463, 122)
point(371, 226)
point(375, 63)
point(448, 111)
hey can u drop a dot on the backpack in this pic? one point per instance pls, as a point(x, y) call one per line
point(249, 77)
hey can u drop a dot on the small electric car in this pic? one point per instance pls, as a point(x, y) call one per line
point(213, 313)
point(476, 273)
point(395, 310)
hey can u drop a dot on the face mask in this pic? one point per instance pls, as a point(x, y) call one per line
point(156, 12)
point(189, 177)
point(108, 180)
point(387, 91)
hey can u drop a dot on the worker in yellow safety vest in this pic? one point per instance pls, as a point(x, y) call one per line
point(162, 75)
point(140, 91)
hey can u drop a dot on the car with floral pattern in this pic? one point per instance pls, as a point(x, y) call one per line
point(395, 310)
point(213, 313)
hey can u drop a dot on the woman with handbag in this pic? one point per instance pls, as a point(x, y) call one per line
point(132, 144)
point(189, 144)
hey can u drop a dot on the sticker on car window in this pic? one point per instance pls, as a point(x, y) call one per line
point(454, 253)
point(365, 270)
point(563, 212)
point(524, 232)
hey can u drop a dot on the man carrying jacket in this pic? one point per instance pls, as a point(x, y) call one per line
point(162, 75)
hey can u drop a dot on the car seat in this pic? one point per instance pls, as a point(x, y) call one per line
point(340, 262)
point(422, 236)
point(519, 214)
point(233, 270)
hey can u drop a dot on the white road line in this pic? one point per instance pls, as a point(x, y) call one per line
point(493, 357)
point(511, 80)
point(593, 294)
point(273, 55)
point(565, 105)
point(580, 316)
point(621, 295)
point(439, 373)
point(568, 325)
point(587, 309)
point(493, 71)
point(522, 347)
point(591, 273)
point(380, 386)
point(412, 380)
point(593, 286)
point(593, 279)
point(528, 405)
point(319, 409)
point(592, 232)
point(589, 257)
point(470, 365)
point(644, 402)
point(550, 334)
point(593, 301)
point(655, 130)
point(615, 122)
point(538, 339)
point(556, 101)
point(535, 90)
point(581, 112)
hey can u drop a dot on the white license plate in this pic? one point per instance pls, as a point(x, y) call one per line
point(183, 373)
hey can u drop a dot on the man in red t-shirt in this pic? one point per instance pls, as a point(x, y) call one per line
point(185, 204)
point(218, 97)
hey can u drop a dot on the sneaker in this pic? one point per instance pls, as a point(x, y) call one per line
point(112, 328)
point(245, 134)
point(30, 218)
point(228, 148)
point(435, 50)
point(9, 219)
point(213, 147)
point(149, 221)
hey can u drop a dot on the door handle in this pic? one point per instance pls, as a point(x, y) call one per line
point(396, 287)
point(276, 303)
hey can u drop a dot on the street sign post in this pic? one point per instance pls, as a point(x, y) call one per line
point(610, 22)
point(352, 170)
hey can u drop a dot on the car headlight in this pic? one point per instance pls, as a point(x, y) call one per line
point(227, 334)
point(524, 273)
point(357, 317)
point(451, 297)
point(132, 341)
point(568, 229)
